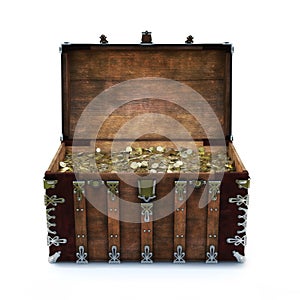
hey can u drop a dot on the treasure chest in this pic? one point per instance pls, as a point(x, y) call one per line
point(146, 170)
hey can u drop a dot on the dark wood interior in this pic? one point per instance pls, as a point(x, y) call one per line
point(89, 70)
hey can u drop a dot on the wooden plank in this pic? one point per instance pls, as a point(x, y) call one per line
point(86, 90)
point(227, 108)
point(97, 221)
point(66, 95)
point(149, 118)
point(124, 65)
point(236, 158)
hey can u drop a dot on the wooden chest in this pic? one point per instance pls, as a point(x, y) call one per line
point(155, 102)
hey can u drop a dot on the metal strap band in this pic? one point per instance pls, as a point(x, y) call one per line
point(113, 213)
point(80, 221)
point(213, 213)
point(179, 221)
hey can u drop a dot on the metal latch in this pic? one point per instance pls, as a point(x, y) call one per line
point(146, 189)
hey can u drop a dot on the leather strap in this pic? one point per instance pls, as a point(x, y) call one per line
point(113, 213)
point(81, 237)
point(180, 221)
point(213, 213)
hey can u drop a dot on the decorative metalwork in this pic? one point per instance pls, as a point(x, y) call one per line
point(212, 255)
point(50, 217)
point(55, 241)
point(189, 40)
point(146, 211)
point(197, 184)
point(180, 189)
point(146, 189)
point(214, 189)
point(53, 200)
point(49, 184)
point(53, 258)
point(78, 189)
point(240, 258)
point(147, 255)
point(179, 256)
point(103, 39)
point(244, 217)
point(239, 200)
point(113, 188)
point(114, 255)
point(243, 183)
point(95, 183)
point(81, 255)
point(237, 240)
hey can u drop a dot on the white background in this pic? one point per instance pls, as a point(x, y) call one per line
point(266, 70)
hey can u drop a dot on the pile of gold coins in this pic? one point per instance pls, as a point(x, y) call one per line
point(147, 160)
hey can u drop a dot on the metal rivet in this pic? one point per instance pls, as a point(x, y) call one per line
point(82, 235)
point(182, 209)
point(116, 236)
point(115, 209)
point(110, 209)
point(177, 235)
point(111, 235)
point(216, 209)
point(177, 209)
point(211, 209)
point(78, 236)
point(210, 236)
point(181, 236)
point(77, 209)
point(145, 230)
point(149, 230)
point(81, 209)
point(215, 235)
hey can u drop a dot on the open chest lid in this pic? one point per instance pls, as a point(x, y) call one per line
point(143, 91)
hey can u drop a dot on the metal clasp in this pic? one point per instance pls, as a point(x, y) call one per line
point(197, 184)
point(146, 189)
